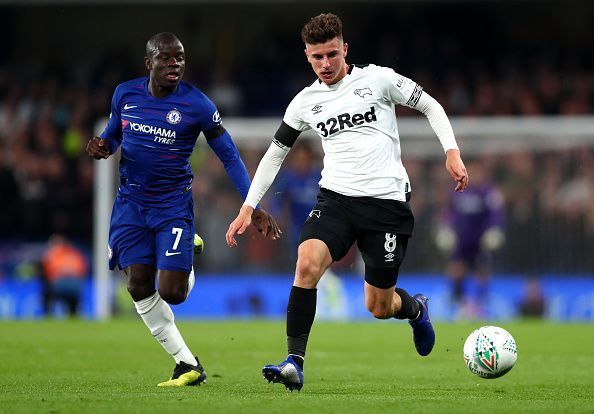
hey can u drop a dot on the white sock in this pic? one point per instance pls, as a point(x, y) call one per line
point(158, 317)
point(191, 280)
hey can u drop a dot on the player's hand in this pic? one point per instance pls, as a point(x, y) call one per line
point(457, 170)
point(98, 148)
point(238, 226)
point(265, 224)
point(262, 221)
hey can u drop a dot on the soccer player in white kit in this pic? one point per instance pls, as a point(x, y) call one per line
point(364, 190)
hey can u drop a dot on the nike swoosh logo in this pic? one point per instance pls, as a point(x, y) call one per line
point(168, 253)
point(126, 107)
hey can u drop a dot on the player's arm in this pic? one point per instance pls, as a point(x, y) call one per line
point(110, 139)
point(223, 146)
point(443, 129)
point(266, 172)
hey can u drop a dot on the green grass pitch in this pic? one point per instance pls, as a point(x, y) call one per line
point(92, 367)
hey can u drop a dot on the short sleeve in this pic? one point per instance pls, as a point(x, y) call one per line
point(293, 115)
point(399, 89)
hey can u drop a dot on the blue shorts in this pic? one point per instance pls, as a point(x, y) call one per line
point(158, 236)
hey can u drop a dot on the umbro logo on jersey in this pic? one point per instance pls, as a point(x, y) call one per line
point(316, 109)
point(315, 213)
point(168, 253)
point(390, 257)
point(362, 92)
point(126, 107)
point(346, 120)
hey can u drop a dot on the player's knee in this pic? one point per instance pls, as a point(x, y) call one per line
point(382, 313)
point(380, 310)
point(172, 294)
point(139, 291)
point(308, 272)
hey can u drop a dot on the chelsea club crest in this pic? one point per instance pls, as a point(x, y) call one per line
point(173, 117)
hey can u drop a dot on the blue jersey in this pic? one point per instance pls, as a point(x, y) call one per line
point(157, 136)
point(299, 191)
point(152, 220)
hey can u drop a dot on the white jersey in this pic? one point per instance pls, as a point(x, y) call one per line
point(356, 121)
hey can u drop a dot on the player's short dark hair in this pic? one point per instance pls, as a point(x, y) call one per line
point(321, 28)
point(156, 39)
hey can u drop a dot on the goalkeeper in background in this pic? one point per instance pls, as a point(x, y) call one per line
point(471, 230)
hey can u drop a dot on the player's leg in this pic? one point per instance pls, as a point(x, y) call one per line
point(397, 303)
point(312, 261)
point(149, 305)
point(132, 248)
point(326, 237)
point(175, 246)
point(457, 270)
point(174, 249)
point(173, 285)
point(483, 273)
point(158, 317)
point(383, 253)
point(175, 255)
point(153, 310)
point(390, 303)
point(463, 261)
point(482, 280)
point(173, 288)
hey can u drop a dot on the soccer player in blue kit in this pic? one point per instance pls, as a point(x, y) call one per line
point(296, 190)
point(156, 120)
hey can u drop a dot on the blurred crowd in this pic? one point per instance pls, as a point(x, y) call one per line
point(547, 199)
point(45, 176)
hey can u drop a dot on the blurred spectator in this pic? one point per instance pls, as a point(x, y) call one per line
point(532, 303)
point(471, 230)
point(226, 93)
point(9, 224)
point(64, 268)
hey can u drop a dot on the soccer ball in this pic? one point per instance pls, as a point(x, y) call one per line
point(490, 352)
